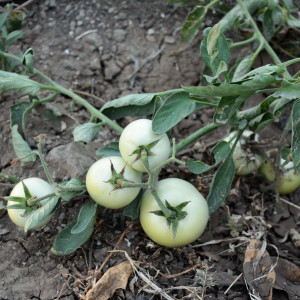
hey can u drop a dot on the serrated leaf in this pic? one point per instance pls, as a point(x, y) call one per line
point(40, 214)
point(193, 23)
point(66, 242)
point(129, 105)
point(295, 149)
point(175, 108)
point(111, 150)
point(132, 209)
point(18, 83)
point(86, 214)
point(86, 132)
point(74, 182)
point(21, 147)
point(221, 184)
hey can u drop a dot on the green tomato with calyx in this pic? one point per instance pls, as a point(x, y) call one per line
point(38, 188)
point(138, 136)
point(288, 177)
point(102, 182)
point(245, 161)
point(175, 191)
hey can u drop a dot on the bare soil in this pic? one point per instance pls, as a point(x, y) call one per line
point(108, 49)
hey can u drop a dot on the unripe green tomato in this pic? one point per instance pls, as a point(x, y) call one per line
point(175, 191)
point(102, 191)
point(245, 162)
point(139, 133)
point(288, 177)
point(37, 187)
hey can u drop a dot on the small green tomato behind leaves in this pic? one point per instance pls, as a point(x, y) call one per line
point(244, 160)
point(103, 182)
point(191, 224)
point(37, 187)
point(138, 136)
point(288, 177)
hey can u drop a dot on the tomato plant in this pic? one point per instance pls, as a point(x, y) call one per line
point(104, 178)
point(139, 136)
point(173, 212)
point(37, 187)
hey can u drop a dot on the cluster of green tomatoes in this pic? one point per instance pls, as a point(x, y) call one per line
point(114, 182)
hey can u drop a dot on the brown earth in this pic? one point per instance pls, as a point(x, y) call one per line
point(108, 49)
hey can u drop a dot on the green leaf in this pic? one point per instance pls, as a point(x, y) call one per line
point(28, 59)
point(17, 112)
point(111, 150)
point(228, 107)
point(193, 24)
point(21, 200)
point(132, 209)
point(20, 146)
point(295, 149)
point(217, 44)
point(288, 91)
point(86, 132)
point(222, 69)
point(265, 70)
point(40, 214)
point(129, 105)
point(3, 18)
point(18, 83)
point(66, 242)
point(268, 24)
point(213, 37)
point(229, 89)
point(242, 68)
point(74, 182)
point(13, 36)
point(175, 108)
point(221, 185)
point(86, 215)
point(261, 121)
point(221, 151)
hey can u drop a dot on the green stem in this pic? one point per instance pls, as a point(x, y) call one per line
point(290, 62)
point(197, 134)
point(245, 42)
point(258, 33)
point(169, 160)
point(169, 92)
point(167, 212)
point(71, 188)
point(126, 184)
point(44, 163)
point(9, 177)
point(95, 112)
point(59, 89)
point(33, 201)
point(211, 4)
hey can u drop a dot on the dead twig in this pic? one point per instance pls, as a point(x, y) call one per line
point(234, 281)
point(89, 95)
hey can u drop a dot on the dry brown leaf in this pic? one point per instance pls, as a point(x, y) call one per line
point(287, 277)
point(114, 278)
point(258, 270)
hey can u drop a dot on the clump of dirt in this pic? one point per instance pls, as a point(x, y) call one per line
point(104, 50)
